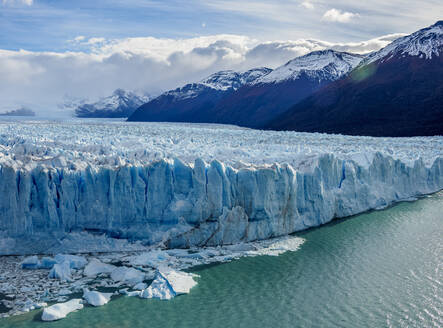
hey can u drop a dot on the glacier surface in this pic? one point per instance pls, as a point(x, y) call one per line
point(185, 185)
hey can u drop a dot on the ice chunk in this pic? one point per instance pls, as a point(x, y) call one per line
point(134, 293)
point(31, 263)
point(75, 261)
point(96, 298)
point(61, 271)
point(129, 276)
point(160, 288)
point(61, 310)
point(140, 286)
point(168, 283)
point(47, 262)
point(96, 267)
point(181, 282)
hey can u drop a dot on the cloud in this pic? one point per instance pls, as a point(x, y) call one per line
point(79, 38)
point(12, 2)
point(336, 15)
point(41, 80)
point(307, 5)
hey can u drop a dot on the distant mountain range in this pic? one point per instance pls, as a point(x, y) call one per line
point(120, 104)
point(397, 91)
point(251, 98)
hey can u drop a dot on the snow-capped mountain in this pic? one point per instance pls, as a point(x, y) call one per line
point(250, 98)
point(193, 101)
point(425, 43)
point(396, 91)
point(120, 104)
point(220, 81)
point(320, 65)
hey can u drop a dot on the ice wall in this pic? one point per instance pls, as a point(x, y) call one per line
point(203, 203)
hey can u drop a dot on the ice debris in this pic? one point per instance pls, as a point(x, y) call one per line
point(61, 271)
point(96, 298)
point(96, 267)
point(61, 310)
point(169, 283)
point(129, 276)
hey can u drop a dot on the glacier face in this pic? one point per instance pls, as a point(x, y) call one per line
point(189, 185)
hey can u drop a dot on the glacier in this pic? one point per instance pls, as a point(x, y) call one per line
point(186, 185)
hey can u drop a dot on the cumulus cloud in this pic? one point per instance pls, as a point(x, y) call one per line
point(41, 80)
point(336, 15)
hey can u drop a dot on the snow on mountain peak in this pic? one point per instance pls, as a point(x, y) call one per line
point(225, 80)
point(425, 43)
point(220, 81)
point(321, 65)
point(120, 104)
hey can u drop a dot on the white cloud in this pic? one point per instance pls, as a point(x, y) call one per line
point(79, 38)
point(307, 5)
point(40, 80)
point(336, 15)
point(96, 40)
point(25, 2)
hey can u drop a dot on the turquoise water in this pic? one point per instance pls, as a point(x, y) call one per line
point(380, 269)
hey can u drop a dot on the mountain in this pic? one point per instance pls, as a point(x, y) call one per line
point(194, 101)
point(397, 91)
point(120, 104)
point(251, 98)
point(258, 102)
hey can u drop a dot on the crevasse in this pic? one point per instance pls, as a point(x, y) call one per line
point(184, 205)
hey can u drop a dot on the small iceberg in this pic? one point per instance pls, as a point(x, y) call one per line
point(126, 275)
point(169, 283)
point(61, 310)
point(30, 263)
point(61, 271)
point(75, 261)
point(96, 298)
point(96, 267)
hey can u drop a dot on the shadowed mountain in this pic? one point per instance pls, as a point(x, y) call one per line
point(397, 91)
point(252, 98)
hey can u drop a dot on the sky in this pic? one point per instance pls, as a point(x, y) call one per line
point(55, 51)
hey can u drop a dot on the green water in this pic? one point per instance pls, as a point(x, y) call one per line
point(381, 269)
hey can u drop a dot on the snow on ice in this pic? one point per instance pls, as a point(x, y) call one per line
point(185, 185)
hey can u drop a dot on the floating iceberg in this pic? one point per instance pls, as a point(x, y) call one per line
point(184, 185)
point(61, 310)
point(169, 283)
point(96, 298)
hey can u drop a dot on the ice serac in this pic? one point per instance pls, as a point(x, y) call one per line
point(262, 185)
